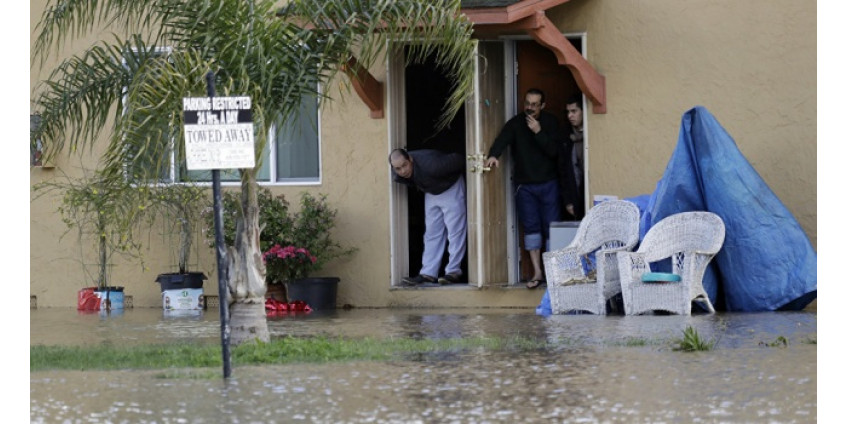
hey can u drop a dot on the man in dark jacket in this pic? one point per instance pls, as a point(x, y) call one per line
point(440, 176)
point(532, 138)
point(571, 161)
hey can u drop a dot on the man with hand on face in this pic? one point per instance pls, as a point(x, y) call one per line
point(532, 138)
point(440, 176)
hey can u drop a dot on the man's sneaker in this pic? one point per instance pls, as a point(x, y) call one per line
point(449, 279)
point(418, 279)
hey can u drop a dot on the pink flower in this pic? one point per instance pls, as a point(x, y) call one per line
point(288, 263)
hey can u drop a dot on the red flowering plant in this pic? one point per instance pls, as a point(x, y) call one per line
point(288, 263)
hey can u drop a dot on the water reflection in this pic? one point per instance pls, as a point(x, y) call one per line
point(590, 373)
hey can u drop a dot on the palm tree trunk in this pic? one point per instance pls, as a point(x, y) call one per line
point(247, 271)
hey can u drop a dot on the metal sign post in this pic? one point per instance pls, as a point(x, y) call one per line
point(219, 135)
point(223, 269)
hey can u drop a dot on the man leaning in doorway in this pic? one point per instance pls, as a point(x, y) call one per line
point(440, 176)
point(532, 139)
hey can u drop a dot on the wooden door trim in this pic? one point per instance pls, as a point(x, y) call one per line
point(398, 204)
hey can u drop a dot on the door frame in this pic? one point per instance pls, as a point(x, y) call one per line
point(511, 82)
point(398, 200)
point(396, 132)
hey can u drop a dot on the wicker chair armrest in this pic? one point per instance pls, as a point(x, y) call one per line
point(563, 266)
point(631, 266)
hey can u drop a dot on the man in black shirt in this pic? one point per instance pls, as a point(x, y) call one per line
point(532, 137)
point(440, 176)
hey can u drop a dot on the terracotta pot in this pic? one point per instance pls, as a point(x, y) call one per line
point(276, 291)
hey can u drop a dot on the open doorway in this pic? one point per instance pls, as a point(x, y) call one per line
point(426, 89)
point(536, 67)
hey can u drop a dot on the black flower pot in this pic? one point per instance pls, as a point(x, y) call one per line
point(319, 292)
point(177, 281)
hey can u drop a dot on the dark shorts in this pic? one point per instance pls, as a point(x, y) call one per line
point(538, 206)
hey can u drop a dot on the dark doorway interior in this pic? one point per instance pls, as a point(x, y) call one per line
point(426, 90)
point(538, 68)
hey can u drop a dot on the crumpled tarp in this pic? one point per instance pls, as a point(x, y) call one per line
point(767, 263)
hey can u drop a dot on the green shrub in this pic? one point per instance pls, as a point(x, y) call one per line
point(309, 228)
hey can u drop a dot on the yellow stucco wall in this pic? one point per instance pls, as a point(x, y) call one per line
point(752, 64)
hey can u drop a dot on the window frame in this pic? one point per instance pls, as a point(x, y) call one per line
point(273, 179)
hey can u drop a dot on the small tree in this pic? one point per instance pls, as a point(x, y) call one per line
point(98, 208)
point(180, 206)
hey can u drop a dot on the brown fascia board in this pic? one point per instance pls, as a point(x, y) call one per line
point(508, 14)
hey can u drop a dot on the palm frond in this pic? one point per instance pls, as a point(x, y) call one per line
point(276, 56)
point(366, 28)
point(79, 97)
point(65, 20)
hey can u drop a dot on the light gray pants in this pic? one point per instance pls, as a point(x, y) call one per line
point(445, 222)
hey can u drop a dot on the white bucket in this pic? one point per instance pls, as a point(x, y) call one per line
point(182, 300)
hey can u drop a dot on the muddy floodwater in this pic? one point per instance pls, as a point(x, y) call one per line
point(597, 369)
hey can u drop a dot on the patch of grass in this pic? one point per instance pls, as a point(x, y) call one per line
point(780, 341)
point(692, 342)
point(190, 374)
point(119, 357)
point(810, 340)
point(278, 351)
point(635, 342)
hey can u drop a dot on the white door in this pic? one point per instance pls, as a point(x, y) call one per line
point(488, 226)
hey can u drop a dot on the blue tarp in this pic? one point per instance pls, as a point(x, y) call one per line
point(767, 262)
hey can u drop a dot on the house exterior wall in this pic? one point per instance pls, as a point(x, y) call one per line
point(752, 64)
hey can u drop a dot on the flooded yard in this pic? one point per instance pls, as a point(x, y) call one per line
point(595, 369)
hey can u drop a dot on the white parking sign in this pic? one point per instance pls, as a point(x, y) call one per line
point(218, 132)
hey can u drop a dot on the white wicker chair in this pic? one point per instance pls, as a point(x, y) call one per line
point(608, 227)
point(690, 240)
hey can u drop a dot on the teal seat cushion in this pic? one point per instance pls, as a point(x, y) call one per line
point(660, 277)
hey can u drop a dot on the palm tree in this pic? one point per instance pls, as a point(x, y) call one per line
point(131, 88)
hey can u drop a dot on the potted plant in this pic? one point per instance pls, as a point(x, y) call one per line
point(180, 206)
point(100, 211)
point(293, 245)
point(311, 228)
point(286, 265)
